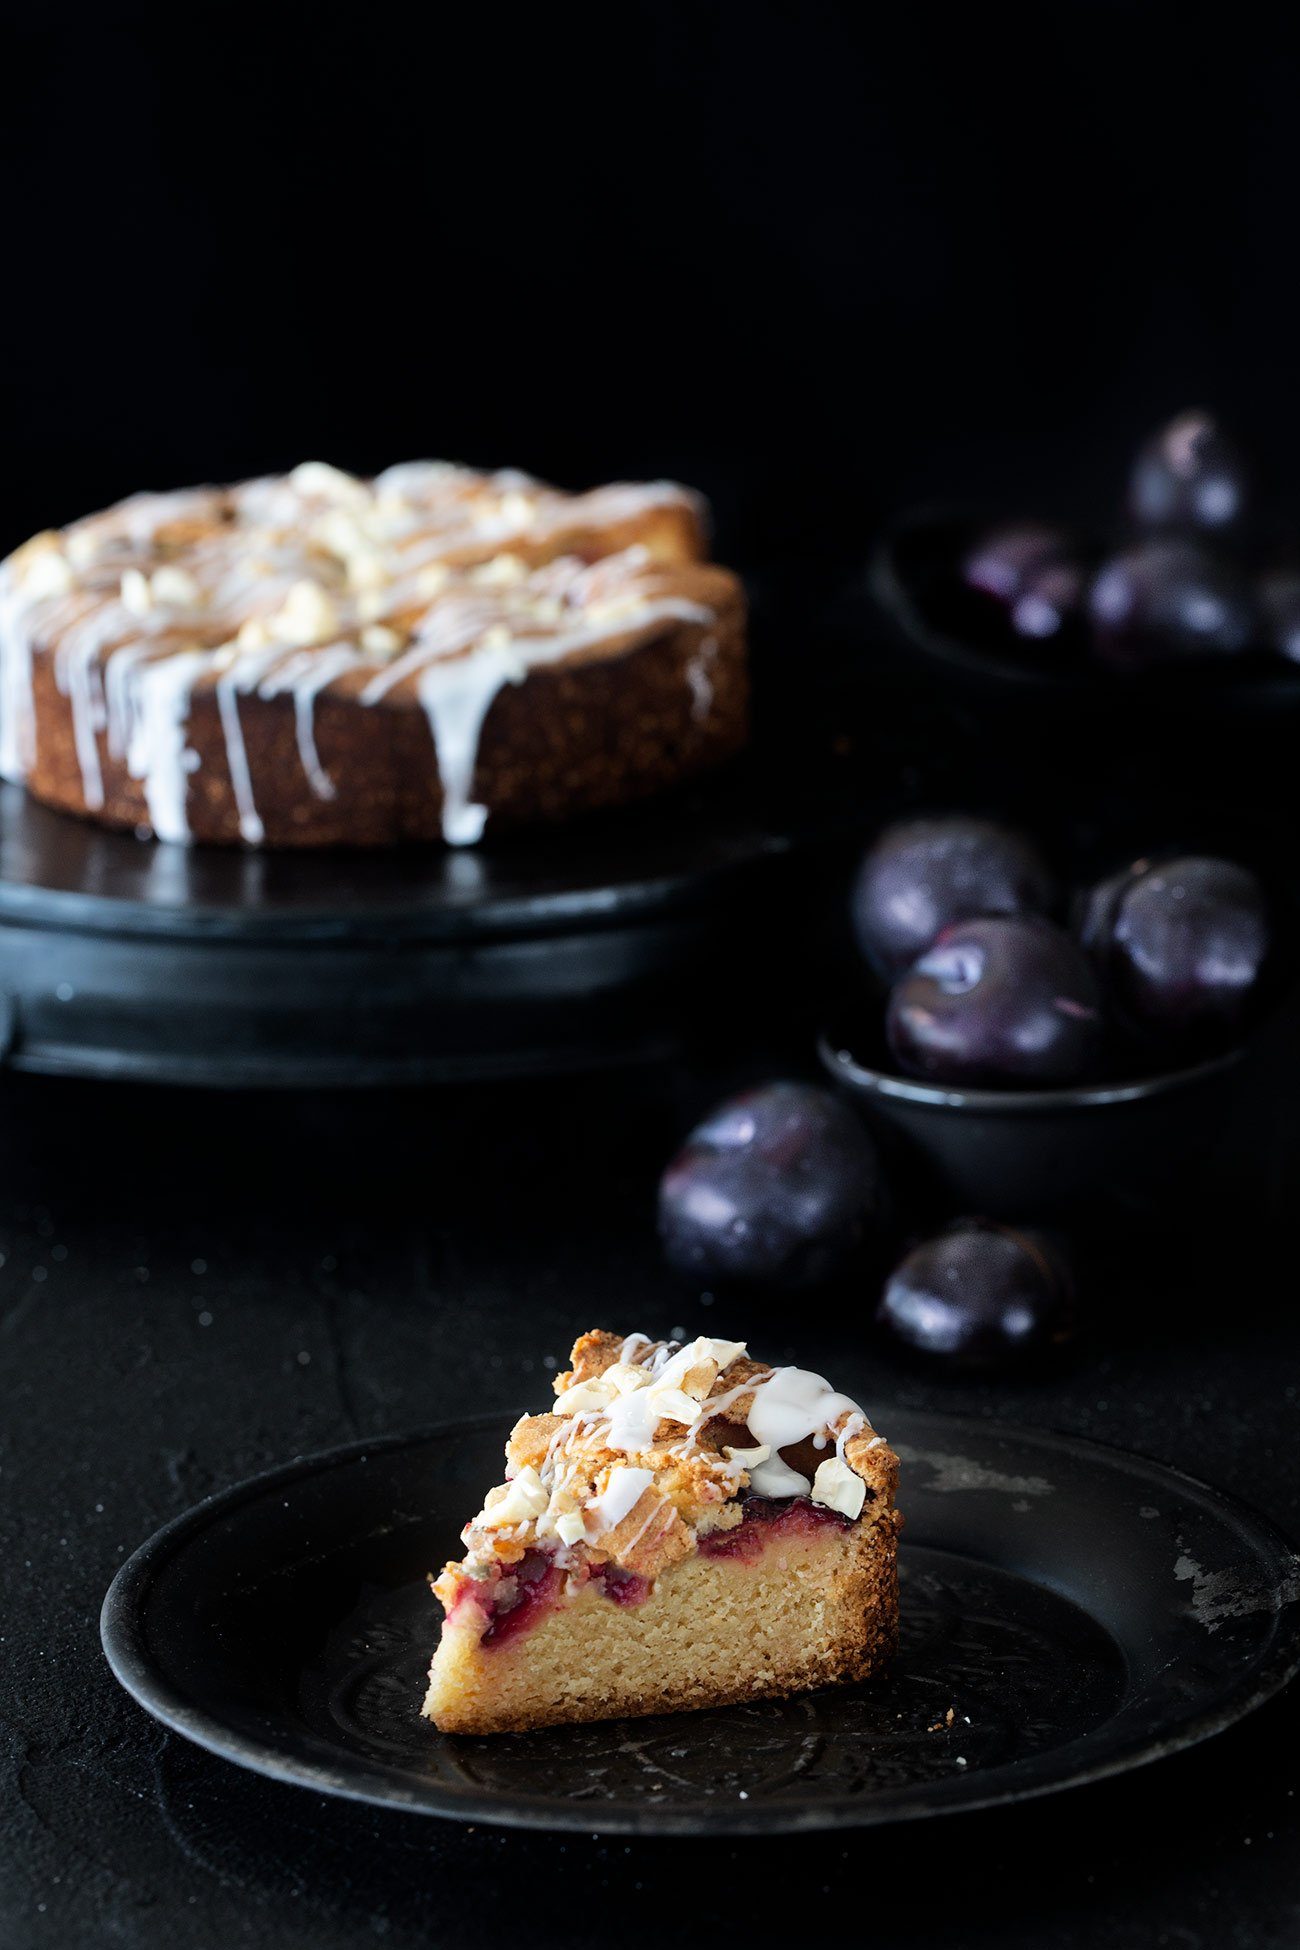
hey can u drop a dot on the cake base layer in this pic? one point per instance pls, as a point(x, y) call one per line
point(575, 736)
point(818, 1607)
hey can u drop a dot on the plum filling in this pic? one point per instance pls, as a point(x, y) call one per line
point(623, 1587)
point(537, 1584)
point(765, 1518)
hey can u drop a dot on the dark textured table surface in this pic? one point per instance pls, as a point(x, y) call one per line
point(194, 1288)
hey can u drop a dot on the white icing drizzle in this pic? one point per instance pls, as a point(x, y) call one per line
point(81, 682)
point(795, 1404)
point(139, 600)
point(458, 680)
point(659, 1514)
point(304, 677)
point(853, 1425)
point(243, 676)
point(621, 1495)
point(776, 1478)
point(456, 684)
point(17, 709)
point(119, 672)
point(699, 679)
point(86, 645)
point(717, 1405)
point(632, 1420)
point(156, 751)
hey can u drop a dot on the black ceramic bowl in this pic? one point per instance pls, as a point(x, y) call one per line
point(914, 577)
point(1112, 1155)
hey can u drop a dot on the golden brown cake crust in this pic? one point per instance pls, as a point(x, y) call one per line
point(572, 738)
point(653, 690)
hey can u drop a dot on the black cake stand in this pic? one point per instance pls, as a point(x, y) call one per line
point(599, 942)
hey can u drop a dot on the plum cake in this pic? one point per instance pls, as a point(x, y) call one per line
point(316, 659)
point(686, 1527)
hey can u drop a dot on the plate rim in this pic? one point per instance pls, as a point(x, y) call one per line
point(123, 1623)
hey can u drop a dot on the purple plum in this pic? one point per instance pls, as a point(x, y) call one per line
point(979, 1296)
point(1180, 945)
point(1051, 604)
point(776, 1188)
point(1031, 575)
point(923, 874)
point(1001, 562)
point(1279, 605)
point(1006, 1000)
point(1165, 601)
point(1190, 476)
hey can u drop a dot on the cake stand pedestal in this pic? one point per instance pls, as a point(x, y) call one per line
point(554, 950)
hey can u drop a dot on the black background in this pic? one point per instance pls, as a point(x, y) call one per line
point(821, 261)
point(817, 259)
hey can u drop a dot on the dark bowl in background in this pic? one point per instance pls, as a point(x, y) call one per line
point(913, 578)
point(1113, 1156)
point(1206, 1139)
point(1069, 728)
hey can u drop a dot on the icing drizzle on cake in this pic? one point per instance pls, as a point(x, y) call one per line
point(431, 580)
point(649, 1447)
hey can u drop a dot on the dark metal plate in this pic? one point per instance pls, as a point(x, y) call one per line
point(1081, 1611)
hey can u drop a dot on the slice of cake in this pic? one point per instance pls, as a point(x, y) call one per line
point(686, 1528)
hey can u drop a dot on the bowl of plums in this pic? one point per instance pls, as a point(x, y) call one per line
point(1041, 1044)
point(1186, 597)
point(1023, 1065)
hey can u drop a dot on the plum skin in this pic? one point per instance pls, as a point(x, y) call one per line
point(1051, 603)
point(1163, 601)
point(1005, 999)
point(776, 1188)
point(1031, 574)
point(1004, 561)
point(1180, 944)
point(980, 1295)
point(1279, 602)
point(1190, 476)
point(920, 875)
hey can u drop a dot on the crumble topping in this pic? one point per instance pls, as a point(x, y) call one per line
point(437, 578)
point(649, 1448)
point(305, 559)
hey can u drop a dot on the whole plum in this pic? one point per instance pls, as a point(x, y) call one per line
point(921, 875)
point(1168, 601)
point(1007, 1000)
point(1190, 476)
point(979, 1296)
point(776, 1188)
point(1180, 944)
